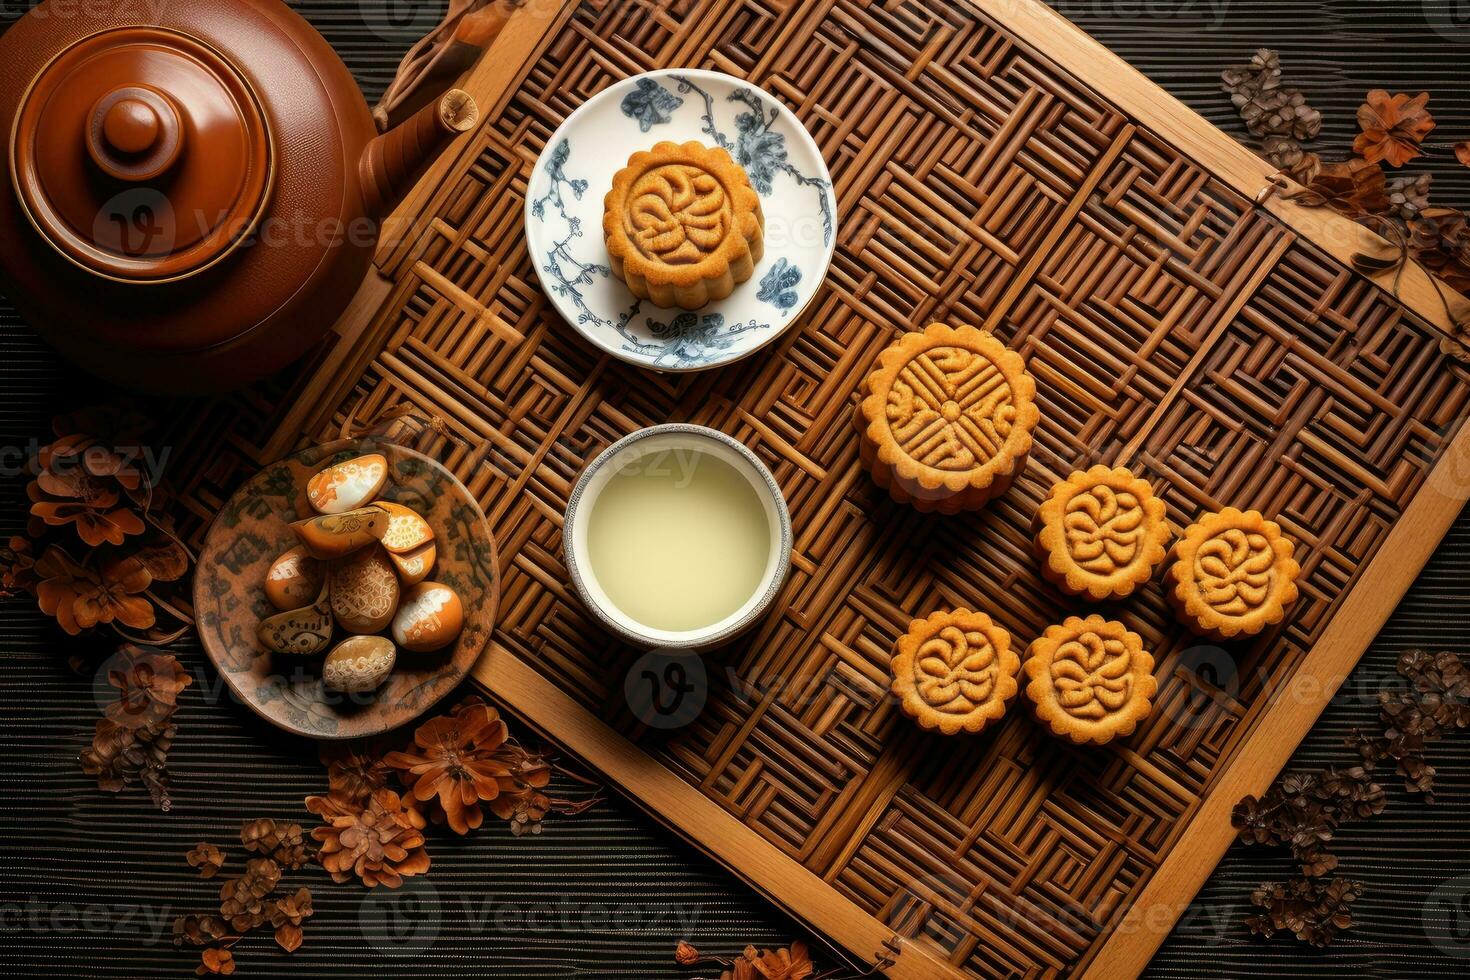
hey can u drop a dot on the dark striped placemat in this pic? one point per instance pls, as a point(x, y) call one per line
point(89, 882)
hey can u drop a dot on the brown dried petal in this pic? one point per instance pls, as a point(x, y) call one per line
point(207, 858)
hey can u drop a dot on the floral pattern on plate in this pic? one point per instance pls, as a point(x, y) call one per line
point(564, 217)
point(254, 527)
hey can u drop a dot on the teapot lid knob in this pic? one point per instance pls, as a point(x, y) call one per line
point(134, 133)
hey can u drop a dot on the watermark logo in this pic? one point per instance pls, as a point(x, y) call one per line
point(666, 689)
point(1446, 917)
point(1450, 19)
point(1210, 675)
point(402, 921)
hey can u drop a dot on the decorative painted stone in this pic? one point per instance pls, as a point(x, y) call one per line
point(335, 535)
point(347, 486)
point(364, 591)
point(359, 664)
point(406, 529)
point(306, 631)
point(414, 566)
point(294, 579)
point(429, 618)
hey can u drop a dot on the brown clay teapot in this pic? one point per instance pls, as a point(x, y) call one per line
point(188, 203)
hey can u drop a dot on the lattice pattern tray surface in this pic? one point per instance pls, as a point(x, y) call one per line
point(1170, 326)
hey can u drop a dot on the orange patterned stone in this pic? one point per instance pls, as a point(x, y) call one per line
point(416, 565)
point(1233, 575)
point(946, 418)
point(1101, 533)
point(406, 529)
point(429, 617)
point(1090, 680)
point(954, 672)
point(682, 224)
point(335, 535)
point(294, 579)
point(364, 591)
point(347, 485)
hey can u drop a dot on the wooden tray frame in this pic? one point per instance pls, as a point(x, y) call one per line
point(681, 806)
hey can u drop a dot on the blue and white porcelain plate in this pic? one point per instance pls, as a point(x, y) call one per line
point(564, 204)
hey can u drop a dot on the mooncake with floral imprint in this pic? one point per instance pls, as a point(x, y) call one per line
point(682, 224)
point(954, 672)
point(1101, 533)
point(1232, 574)
point(1090, 680)
point(946, 418)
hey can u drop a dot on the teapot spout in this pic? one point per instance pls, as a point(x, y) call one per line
point(392, 161)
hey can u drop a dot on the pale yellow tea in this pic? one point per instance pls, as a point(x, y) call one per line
point(678, 539)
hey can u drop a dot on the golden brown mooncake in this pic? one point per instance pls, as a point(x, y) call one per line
point(1232, 575)
point(1090, 680)
point(1101, 533)
point(682, 224)
point(946, 418)
point(954, 672)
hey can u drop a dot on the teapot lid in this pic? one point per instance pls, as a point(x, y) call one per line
point(142, 154)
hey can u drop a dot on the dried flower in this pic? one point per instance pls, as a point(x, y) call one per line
point(215, 961)
point(148, 685)
point(1462, 152)
point(381, 842)
point(287, 914)
point(199, 930)
point(207, 858)
point(685, 954)
point(1352, 188)
point(1440, 240)
point(781, 964)
point(1392, 127)
point(81, 597)
point(17, 567)
point(462, 760)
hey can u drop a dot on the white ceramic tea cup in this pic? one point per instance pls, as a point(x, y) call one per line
point(685, 438)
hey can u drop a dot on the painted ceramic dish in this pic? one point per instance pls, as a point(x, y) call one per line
point(565, 203)
point(253, 529)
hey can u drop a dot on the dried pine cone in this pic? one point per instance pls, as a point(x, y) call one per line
point(354, 770)
point(281, 842)
point(119, 756)
point(243, 900)
point(381, 842)
point(1408, 197)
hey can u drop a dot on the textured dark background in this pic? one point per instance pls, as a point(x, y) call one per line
point(89, 882)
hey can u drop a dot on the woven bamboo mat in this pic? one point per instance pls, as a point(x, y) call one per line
point(1170, 325)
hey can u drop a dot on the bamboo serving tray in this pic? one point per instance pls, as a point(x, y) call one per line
point(993, 166)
